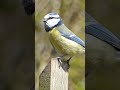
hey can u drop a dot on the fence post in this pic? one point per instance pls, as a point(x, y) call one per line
point(54, 76)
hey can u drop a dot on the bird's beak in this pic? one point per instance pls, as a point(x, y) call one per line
point(44, 20)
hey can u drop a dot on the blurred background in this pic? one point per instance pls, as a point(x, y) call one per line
point(106, 12)
point(73, 14)
point(17, 63)
point(104, 61)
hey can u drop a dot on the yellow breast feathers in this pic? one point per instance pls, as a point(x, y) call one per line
point(63, 45)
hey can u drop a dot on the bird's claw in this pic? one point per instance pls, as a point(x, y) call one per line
point(69, 59)
point(59, 61)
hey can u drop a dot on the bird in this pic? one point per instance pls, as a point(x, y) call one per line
point(64, 41)
point(102, 57)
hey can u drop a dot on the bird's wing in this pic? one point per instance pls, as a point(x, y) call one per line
point(70, 35)
point(100, 32)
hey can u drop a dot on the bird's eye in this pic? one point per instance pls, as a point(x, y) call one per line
point(51, 17)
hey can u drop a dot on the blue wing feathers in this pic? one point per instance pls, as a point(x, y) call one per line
point(97, 30)
point(70, 35)
point(77, 39)
point(102, 33)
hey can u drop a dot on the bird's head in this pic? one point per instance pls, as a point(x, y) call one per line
point(52, 20)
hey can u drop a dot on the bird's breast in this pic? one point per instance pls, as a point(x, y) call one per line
point(63, 45)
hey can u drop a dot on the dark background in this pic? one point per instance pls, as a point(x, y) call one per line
point(17, 60)
point(103, 60)
point(106, 12)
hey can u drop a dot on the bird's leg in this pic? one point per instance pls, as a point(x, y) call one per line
point(69, 60)
point(66, 65)
point(60, 60)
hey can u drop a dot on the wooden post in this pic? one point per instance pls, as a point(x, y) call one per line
point(54, 76)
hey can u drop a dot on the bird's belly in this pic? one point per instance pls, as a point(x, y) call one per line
point(65, 46)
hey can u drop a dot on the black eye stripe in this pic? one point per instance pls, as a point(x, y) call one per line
point(53, 17)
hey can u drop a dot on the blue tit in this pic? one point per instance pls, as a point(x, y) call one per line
point(64, 41)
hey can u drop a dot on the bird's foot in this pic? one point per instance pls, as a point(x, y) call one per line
point(64, 64)
point(59, 61)
point(69, 60)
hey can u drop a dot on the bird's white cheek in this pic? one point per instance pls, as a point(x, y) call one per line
point(53, 22)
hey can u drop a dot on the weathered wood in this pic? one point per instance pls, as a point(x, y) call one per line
point(54, 76)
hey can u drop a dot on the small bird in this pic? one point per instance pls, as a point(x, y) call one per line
point(64, 41)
